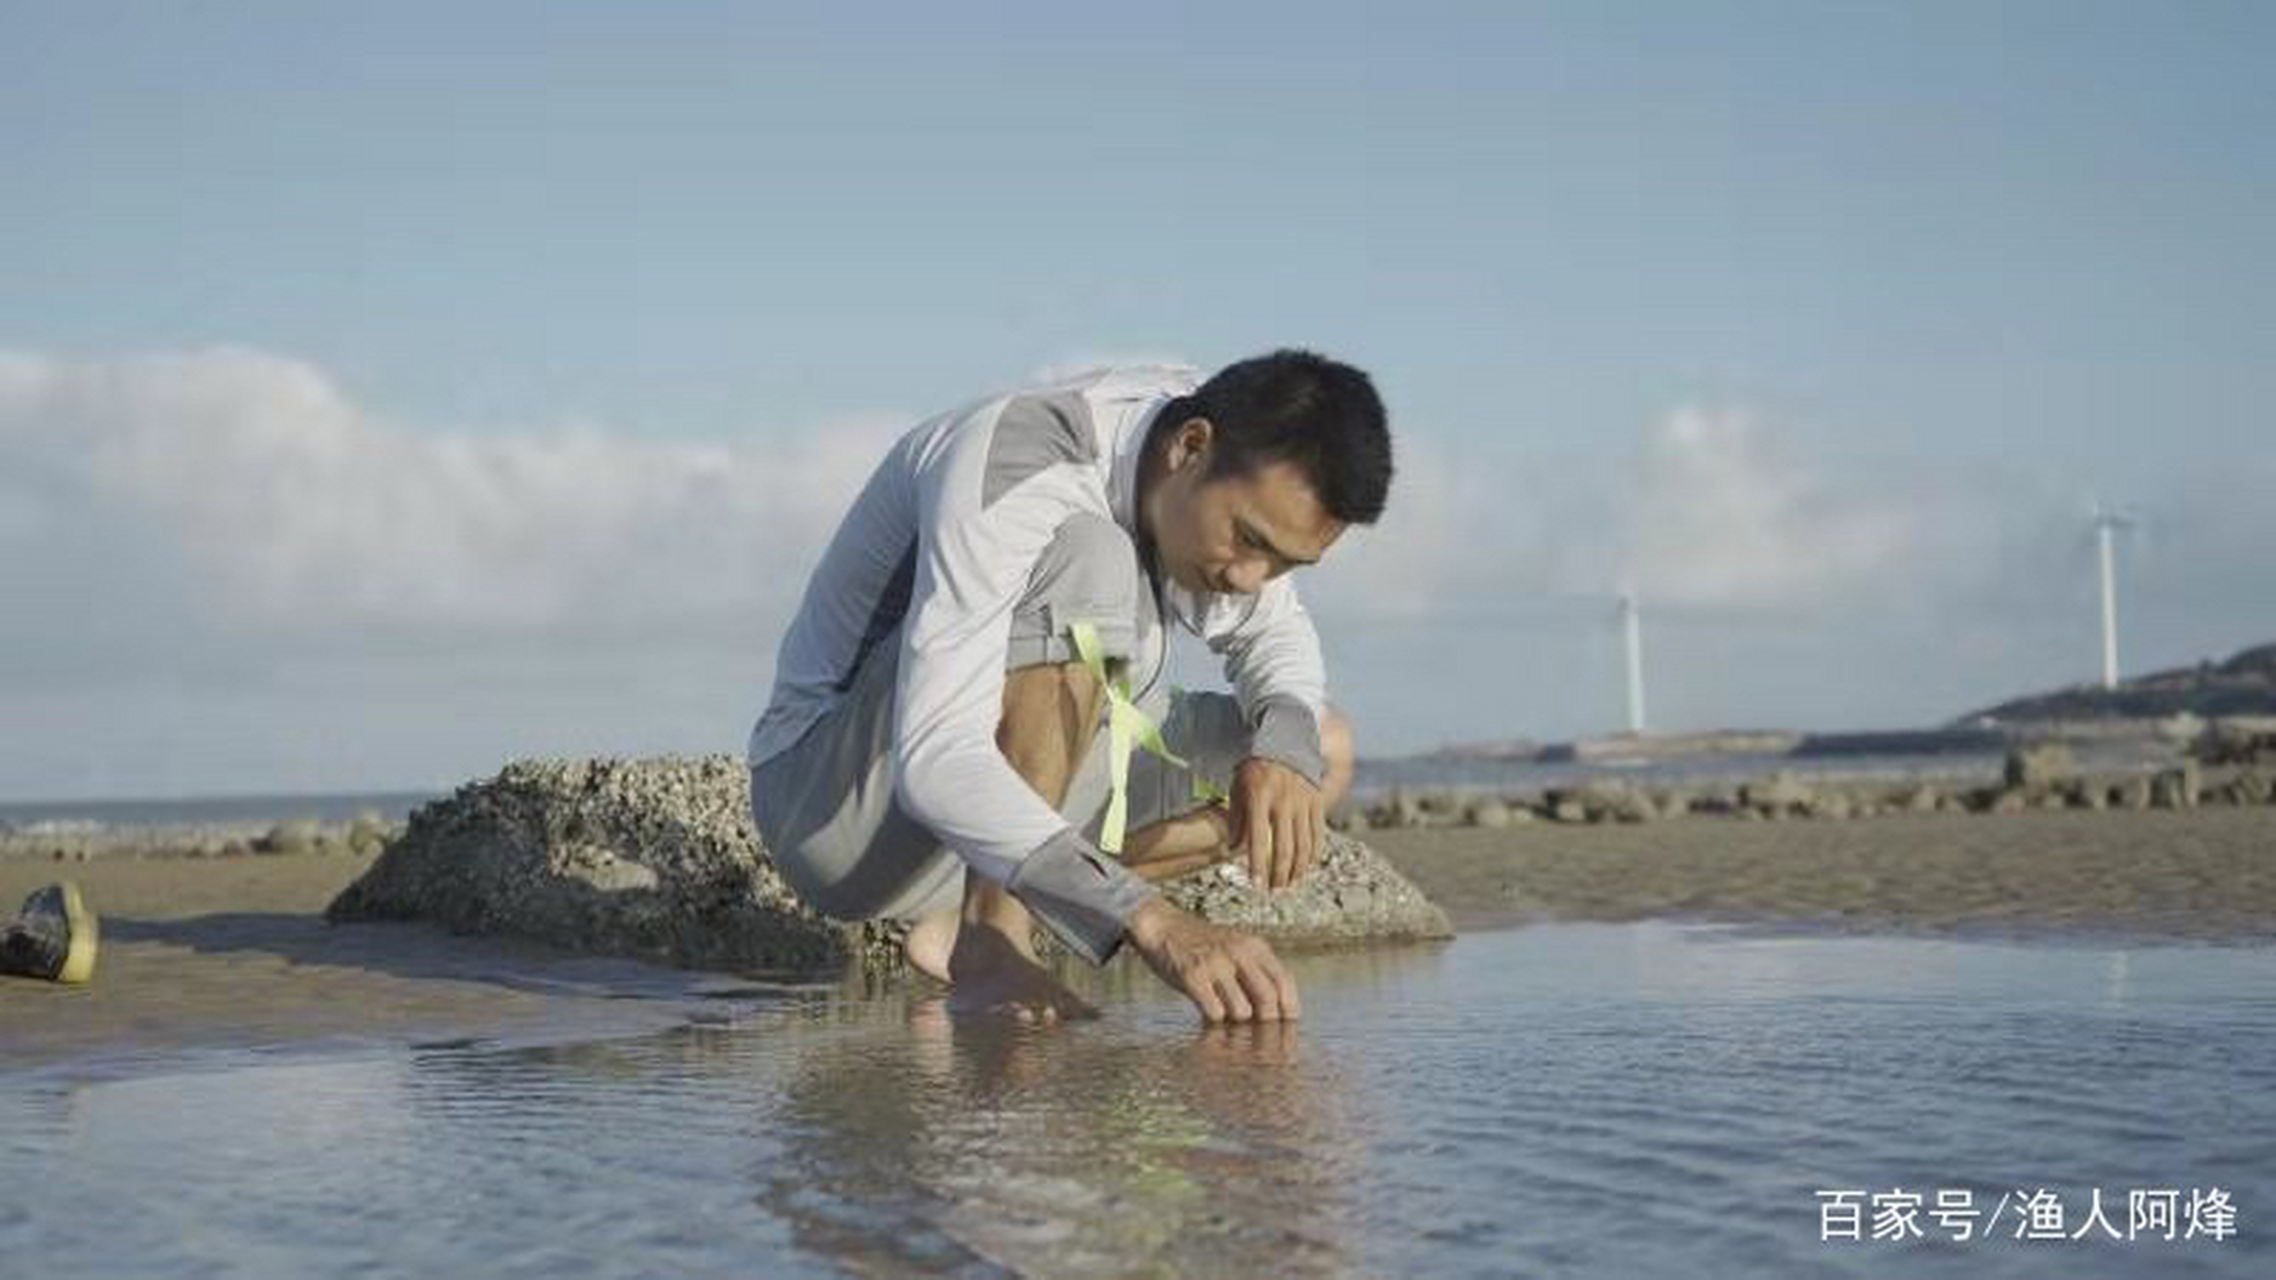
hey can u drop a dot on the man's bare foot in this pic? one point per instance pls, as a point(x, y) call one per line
point(991, 974)
point(929, 943)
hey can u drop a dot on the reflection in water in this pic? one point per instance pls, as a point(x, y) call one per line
point(1072, 1150)
point(881, 1132)
point(1607, 1099)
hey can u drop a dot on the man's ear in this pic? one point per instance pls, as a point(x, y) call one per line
point(1193, 440)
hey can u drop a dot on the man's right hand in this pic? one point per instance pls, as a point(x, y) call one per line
point(1229, 975)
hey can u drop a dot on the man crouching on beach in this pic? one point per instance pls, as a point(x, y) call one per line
point(937, 745)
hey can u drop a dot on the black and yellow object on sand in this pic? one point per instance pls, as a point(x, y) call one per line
point(53, 937)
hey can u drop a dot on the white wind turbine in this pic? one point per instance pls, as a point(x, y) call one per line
point(1632, 639)
point(2108, 523)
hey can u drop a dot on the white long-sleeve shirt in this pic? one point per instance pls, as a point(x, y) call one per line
point(940, 545)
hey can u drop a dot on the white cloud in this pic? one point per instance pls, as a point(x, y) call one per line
point(288, 505)
point(220, 571)
point(1712, 512)
point(1450, 536)
point(1717, 515)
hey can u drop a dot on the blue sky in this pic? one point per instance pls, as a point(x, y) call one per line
point(386, 390)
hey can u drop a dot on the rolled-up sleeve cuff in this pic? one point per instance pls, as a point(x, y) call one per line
point(1084, 897)
point(1288, 732)
point(1041, 638)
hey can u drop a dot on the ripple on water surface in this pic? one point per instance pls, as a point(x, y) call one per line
point(1638, 1098)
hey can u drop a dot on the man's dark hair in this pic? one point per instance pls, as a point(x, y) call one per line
point(1300, 407)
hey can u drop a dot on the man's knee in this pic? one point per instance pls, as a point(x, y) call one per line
point(1088, 573)
point(1336, 745)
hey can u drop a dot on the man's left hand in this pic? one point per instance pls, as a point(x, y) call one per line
point(1277, 820)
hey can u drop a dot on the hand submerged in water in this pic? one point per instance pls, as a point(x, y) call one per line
point(1229, 975)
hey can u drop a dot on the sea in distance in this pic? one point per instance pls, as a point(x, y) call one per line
point(1372, 780)
point(1635, 1099)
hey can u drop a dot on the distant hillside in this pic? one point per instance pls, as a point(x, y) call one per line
point(2245, 685)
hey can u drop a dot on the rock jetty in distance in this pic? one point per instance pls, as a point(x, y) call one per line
point(2234, 696)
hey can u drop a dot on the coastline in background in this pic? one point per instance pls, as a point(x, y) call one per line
point(1374, 780)
point(67, 817)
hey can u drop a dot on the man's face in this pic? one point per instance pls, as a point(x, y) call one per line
point(1235, 533)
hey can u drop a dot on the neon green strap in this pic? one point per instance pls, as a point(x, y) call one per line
point(1126, 726)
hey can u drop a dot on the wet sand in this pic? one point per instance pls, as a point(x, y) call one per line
point(234, 952)
point(2200, 874)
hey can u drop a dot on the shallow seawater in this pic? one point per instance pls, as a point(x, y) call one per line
point(1619, 1099)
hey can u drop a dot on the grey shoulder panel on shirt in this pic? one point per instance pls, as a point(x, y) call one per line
point(1034, 432)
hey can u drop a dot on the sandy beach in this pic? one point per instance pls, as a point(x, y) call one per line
point(2199, 874)
point(234, 952)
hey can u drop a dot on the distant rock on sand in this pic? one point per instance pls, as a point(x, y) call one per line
point(656, 859)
